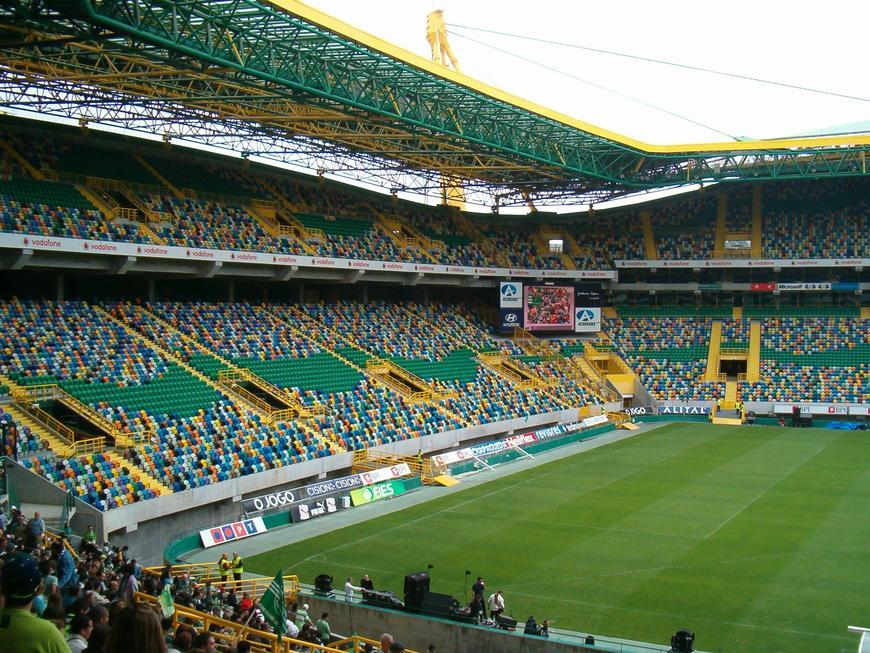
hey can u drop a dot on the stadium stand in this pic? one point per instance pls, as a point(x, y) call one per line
point(685, 230)
point(817, 220)
point(668, 354)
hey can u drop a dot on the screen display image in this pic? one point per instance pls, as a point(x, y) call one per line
point(549, 308)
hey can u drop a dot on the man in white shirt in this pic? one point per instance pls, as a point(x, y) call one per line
point(495, 603)
point(349, 589)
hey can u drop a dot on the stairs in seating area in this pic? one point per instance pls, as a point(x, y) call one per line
point(411, 387)
point(147, 479)
point(712, 373)
point(731, 392)
point(232, 380)
point(407, 237)
point(649, 242)
point(265, 213)
point(60, 437)
point(61, 445)
point(757, 234)
point(159, 177)
point(602, 358)
point(514, 371)
point(21, 160)
point(570, 366)
point(365, 460)
point(753, 360)
point(104, 202)
point(721, 227)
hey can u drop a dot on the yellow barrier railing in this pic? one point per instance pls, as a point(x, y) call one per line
point(733, 350)
point(227, 633)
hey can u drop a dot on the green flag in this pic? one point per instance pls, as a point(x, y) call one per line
point(273, 606)
point(166, 603)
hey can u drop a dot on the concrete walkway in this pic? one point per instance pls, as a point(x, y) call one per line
point(292, 533)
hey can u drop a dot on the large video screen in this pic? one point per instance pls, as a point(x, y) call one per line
point(548, 308)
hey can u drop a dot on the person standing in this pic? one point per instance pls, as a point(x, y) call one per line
point(495, 603)
point(224, 567)
point(349, 589)
point(238, 567)
point(302, 616)
point(323, 630)
point(80, 629)
point(366, 583)
point(477, 591)
point(36, 530)
point(20, 629)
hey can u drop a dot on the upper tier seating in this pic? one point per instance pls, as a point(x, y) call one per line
point(605, 240)
point(47, 208)
point(817, 219)
point(685, 229)
point(807, 219)
point(213, 225)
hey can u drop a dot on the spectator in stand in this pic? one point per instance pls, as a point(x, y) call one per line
point(20, 629)
point(35, 530)
point(100, 634)
point(67, 576)
point(205, 642)
point(386, 641)
point(80, 629)
point(323, 630)
point(136, 629)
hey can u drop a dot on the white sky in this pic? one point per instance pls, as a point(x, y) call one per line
point(820, 45)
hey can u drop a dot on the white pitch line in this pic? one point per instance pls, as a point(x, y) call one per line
point(473, 500)
point(763, 492)
point(694, 618)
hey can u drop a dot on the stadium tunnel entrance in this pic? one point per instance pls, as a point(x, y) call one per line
point(731, 368)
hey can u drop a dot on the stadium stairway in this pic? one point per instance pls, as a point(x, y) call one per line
point(731, 392)
point(259, 407)
point(32, 170)
point(393, 380)
point(266, 216)
point(713, 351)
point(159, 177)
point(649, 242)
point(229, 379)
point(512, 370)
point(56, 444)
point(407, 237)
point(610, 366)
point(575, 367)
point(753, 360)
point(147, 479)
point(756, 234)
point(865, 312)
point(721, 227)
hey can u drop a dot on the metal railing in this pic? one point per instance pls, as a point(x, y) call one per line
point(229, 633)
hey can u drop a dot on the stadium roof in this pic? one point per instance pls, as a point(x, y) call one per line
point(286, 82)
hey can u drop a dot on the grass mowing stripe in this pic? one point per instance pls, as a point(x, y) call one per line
point(783, 565)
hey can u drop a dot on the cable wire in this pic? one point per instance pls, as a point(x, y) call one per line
point(599, 86)
point(663, 62)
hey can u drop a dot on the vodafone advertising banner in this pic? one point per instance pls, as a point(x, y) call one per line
point(747, 263)
point(170, 252)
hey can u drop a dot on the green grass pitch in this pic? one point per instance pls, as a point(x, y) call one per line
point(757, 538)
